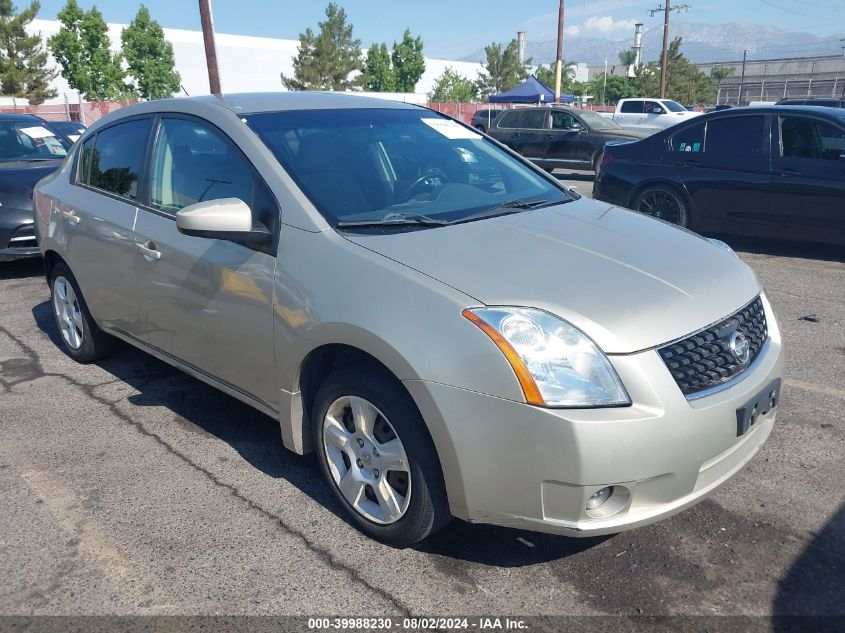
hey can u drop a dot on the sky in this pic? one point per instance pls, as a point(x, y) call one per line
point(454, 29)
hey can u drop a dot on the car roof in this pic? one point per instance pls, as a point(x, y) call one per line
point(831, 113)
point(18, 117)
point(254, 103)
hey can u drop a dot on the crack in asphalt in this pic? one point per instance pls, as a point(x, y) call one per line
point(322, 553)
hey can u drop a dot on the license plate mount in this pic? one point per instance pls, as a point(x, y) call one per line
point(766, 400)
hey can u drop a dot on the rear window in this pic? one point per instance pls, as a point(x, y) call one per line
point(632, 107)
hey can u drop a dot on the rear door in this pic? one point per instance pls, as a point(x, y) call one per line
point(808, 191)
point(726, 167)
point(630, 114)
point(208, 303)
point(523, 131)
point(99, 216)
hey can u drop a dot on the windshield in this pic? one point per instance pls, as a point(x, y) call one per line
point(29, 140)
point(597, 121)
point(368, 164)
point(673, 106)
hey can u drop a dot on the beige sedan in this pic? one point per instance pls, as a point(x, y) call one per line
point(450, 329)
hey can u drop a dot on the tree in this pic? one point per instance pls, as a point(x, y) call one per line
point(546, 76)
point(82, 49)
point(685, 81)
point(23, 60)
point(719, 74)
point(617, 88)
point(325, 61)
point(503, 70)
point(408, 62)
point(378, 71)
point(450, 86)
point(149, 57)
point(627, 59)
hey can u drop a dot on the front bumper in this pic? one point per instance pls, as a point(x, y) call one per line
point(517, 465)
point(17, 239)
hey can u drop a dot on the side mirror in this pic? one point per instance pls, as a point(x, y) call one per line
point(223, 219)
point(656, 111)
point(577, 127)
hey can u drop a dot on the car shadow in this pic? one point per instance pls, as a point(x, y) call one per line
point(205, 411)
point(503, 547)
point(20, 268)
point(783, 248)
point(814, 585)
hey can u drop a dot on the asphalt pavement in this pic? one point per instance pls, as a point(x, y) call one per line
point(128, 487)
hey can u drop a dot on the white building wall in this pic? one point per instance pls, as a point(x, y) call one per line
point(247, 64)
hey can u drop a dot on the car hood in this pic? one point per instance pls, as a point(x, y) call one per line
point(628, 281)
point(18, 178)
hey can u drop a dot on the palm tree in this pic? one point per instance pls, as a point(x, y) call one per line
point(628, 58)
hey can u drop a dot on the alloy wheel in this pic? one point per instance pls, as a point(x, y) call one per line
point(663, 206)
point(367, 460)
point(68, 314)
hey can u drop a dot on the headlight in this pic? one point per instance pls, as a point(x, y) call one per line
point(556, 364)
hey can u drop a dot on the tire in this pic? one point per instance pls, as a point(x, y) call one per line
point(664, 203)
point(596, 161)
point(82, 339)
point(349, 457)
point(481, 129)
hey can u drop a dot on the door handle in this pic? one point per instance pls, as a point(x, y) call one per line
point(549, 136)
point(790, 172)
point(516, 135)
point(149, 251)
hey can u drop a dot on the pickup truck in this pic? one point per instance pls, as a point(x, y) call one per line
point(650, 115)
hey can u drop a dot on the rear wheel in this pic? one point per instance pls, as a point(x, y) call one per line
point(376, 454)
point(663, 203)
point(82, 339)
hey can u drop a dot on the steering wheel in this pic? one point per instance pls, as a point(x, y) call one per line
point(433, 177)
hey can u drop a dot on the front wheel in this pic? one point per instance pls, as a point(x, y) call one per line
point(377, 456)
point(663, 203)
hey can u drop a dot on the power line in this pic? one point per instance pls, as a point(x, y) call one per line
point(666, 9)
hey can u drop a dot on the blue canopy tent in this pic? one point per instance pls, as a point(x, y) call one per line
point(529, 91)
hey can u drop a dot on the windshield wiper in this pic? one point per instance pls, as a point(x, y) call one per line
point(506, 208)
point(394, 219)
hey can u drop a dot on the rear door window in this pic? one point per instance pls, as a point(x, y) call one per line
point(118, 156)
point(533, 119)
point(735, 142)
point(632, 107)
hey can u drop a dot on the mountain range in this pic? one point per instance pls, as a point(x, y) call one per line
point(702, 43)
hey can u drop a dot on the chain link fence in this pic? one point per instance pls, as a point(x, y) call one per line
point(86, 112)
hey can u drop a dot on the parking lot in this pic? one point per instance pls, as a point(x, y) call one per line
point(128, 487)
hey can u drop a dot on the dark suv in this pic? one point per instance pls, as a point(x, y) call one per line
point(483, 120)
point(813, 101)
point(559, 137)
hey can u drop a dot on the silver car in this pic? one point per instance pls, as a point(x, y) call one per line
point(449, 328)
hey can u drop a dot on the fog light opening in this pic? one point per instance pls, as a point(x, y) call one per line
point(599, 498)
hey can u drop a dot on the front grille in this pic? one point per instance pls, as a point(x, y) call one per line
point(704, 360)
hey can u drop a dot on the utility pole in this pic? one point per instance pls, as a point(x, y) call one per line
point(742, 77)
point(559, 61)
point(210, 48)
point(666, 9)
